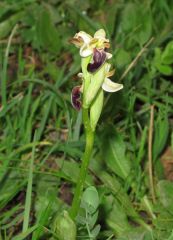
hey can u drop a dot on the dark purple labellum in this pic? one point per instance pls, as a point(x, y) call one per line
point(99, 58)
point(76, 98)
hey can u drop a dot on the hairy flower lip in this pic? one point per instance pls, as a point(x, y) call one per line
point(76, 97)
point(99, 58)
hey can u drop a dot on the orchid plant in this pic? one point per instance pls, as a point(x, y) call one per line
point(95, 76)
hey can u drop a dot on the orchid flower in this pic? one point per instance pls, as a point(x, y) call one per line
point(86, 43)
point(95, 69)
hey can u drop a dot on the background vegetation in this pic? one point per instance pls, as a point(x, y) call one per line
point(41, 137)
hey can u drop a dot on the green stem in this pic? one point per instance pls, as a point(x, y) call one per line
point(84, 167)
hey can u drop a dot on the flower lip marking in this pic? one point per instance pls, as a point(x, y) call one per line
point(76, 97)
point(99, 57)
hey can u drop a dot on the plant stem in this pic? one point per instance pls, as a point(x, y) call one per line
point(84, 167)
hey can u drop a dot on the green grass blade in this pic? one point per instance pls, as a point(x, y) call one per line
point(29, 191)
point(27, 233)
point(4, 70)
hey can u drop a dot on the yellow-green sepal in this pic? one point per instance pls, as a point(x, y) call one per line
point(86, 75)
point(96, 82)
point(96, 109)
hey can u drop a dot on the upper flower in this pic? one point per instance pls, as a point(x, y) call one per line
point(86, 43)
point(95, 70)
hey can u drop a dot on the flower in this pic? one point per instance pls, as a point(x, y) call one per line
point(87, 43)
point(95, 71)
point(76, 97)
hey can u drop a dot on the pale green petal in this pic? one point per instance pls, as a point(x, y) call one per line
point(85, 51)
point(110, 86)
point(100, 34)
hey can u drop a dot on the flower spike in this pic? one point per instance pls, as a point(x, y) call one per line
point(95, 71)
point(95, 78)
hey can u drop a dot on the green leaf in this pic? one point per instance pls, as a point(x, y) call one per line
point(90, 199)
point(136, 19)
point(165, 193)
point(43, 219)
point(163, 223)
point(116, 217)
point(115, 187)
point(46, 202)
point(71, 170)
point(171, 236)
point(122, 58)
point(161, 131)
point(47, 33)
point(137, 234)
point(95, 231)
point(64, 226)
point(114, 153)
point(164, 69)
point(24, 235)
point(167, 55)
point(162, 60)
point(142, 149)
point(7, 25)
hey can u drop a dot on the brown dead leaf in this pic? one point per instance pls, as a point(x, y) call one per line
point(167, 161)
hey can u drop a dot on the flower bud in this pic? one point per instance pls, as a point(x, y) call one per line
point(96, 109)
point(64, 227)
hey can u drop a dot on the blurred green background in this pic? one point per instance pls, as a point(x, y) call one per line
point(41, 135)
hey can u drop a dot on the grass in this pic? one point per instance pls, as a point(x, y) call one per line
point(41, 136)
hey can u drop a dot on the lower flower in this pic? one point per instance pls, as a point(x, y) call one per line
point(76, 97)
